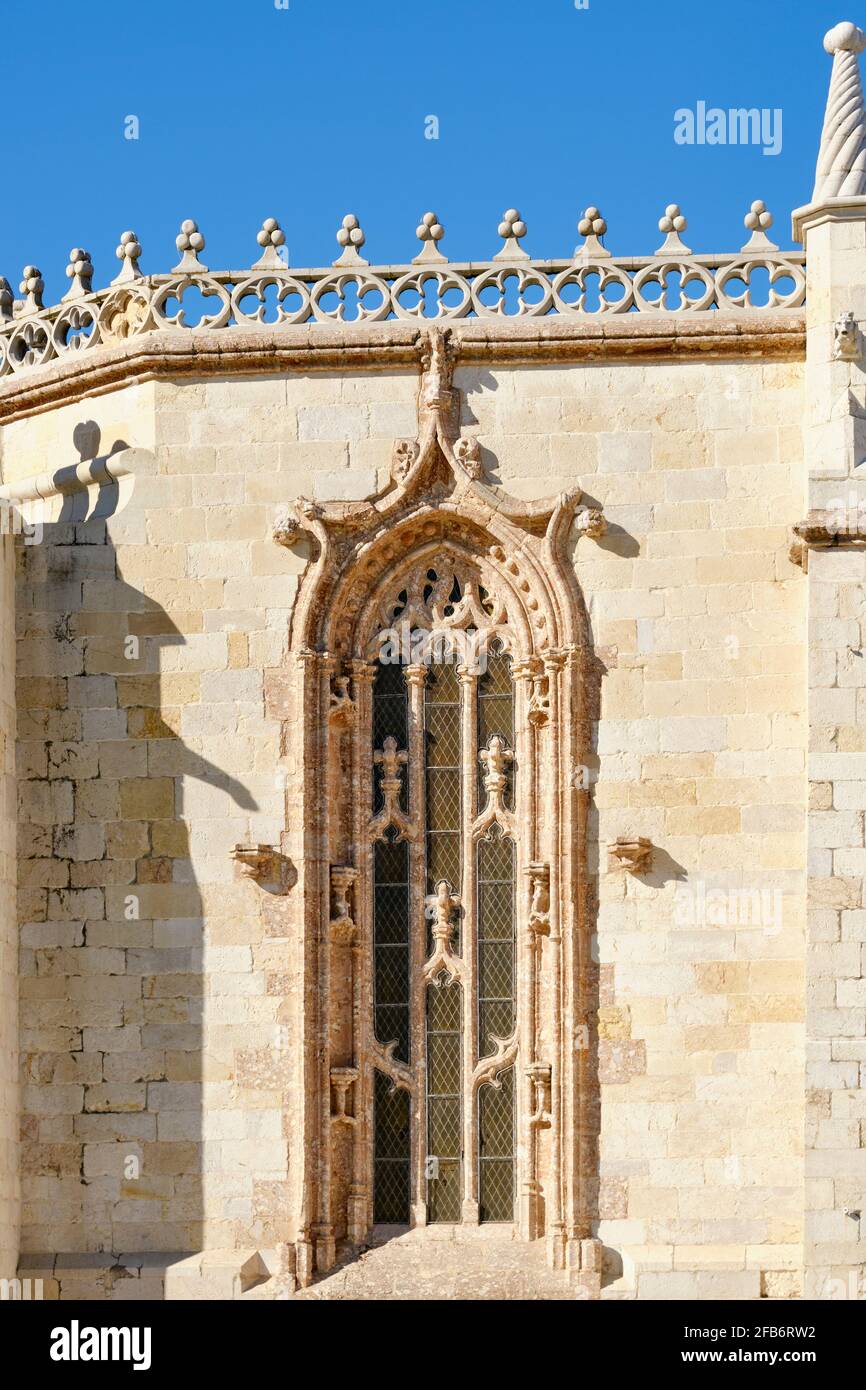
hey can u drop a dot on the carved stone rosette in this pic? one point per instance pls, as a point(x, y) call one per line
point(440, 550)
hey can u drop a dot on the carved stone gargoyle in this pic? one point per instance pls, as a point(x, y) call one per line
point(633, 855)
point(846, 338)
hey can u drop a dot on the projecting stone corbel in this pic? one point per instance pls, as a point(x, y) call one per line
point(823, 530)
point(635, 856)
point(264, 864)
point(342, 1080)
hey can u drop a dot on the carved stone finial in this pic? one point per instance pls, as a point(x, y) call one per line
point(756, 221)
point(841, 170)
point(392, 761)
point(270, 238)
point(7, 300)
point(591, 226)
point(672, 222)
point(512, 229)
point(189, 242)
point(430, 231)
point(846, 345)
point(128, 253)
point(438, 355)
point(351, 237)
point(80, 272)
point(441, 907)
point(32, 285)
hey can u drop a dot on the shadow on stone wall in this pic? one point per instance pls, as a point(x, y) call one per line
point(111, 917)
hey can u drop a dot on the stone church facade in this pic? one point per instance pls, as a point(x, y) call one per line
point(433, 757)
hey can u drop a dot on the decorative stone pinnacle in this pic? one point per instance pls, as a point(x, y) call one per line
point(430, 232)
point(841, 170)
point(128, 252)
point(32, 286)
point(756, 221)
point(512, 229)
point(591, 226)
point(672, 222)
point(270, 238)
point(351, 237)
point(189, 241)
point(80, 272)
point(844, 37)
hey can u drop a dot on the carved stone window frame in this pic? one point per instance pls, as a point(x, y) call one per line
point(436, 504)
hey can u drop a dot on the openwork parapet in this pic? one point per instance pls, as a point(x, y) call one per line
point(431, 288)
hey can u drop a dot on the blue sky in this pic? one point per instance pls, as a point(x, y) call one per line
point(248, 111)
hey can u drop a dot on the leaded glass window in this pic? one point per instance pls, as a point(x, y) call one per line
point(444, 857)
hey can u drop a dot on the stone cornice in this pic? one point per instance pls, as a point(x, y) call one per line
point(171, 355)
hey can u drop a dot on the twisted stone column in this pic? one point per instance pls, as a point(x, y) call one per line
point(841, 171)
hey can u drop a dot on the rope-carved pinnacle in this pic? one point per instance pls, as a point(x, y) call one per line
point(841, 171)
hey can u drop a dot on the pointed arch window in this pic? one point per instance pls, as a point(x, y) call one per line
point(436, 819)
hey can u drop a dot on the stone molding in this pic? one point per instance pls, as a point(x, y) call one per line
point(779, 336)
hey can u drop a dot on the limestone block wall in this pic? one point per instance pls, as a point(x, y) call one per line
point(698, 620)
point(156, 983)
point(836, 1031)
point(9, 1117)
